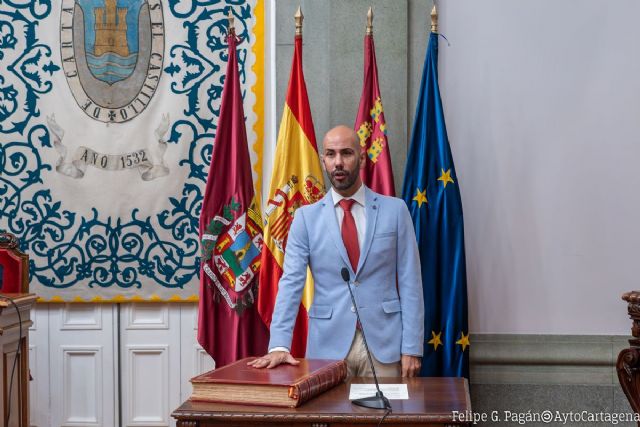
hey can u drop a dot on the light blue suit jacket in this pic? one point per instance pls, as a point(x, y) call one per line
point(392, 317)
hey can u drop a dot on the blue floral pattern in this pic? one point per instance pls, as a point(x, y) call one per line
point(101, 252)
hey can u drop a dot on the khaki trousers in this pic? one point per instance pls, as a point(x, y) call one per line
point(358, 362)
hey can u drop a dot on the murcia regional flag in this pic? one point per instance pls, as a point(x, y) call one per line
point(371, 127)
point(297, 180)
point(107, 113)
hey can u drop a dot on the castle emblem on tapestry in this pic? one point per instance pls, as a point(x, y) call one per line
point(112, 55)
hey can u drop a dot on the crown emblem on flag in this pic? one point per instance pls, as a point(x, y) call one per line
point(284, 203)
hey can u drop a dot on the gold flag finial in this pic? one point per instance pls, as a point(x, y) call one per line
point(232, 25)
point(370, 21)
point(434, 19)
point(299, 17)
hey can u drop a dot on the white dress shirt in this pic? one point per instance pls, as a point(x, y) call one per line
point(359, 215)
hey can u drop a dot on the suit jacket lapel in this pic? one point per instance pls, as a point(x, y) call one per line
point(371, 208)
point(331, 222)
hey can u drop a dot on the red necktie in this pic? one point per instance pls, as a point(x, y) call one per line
point(350, 233)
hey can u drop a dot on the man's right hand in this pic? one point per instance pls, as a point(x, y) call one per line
point(273, 359)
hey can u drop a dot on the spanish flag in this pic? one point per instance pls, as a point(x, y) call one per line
point(296, 181)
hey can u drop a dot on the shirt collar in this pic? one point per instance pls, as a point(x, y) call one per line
point(359, 196)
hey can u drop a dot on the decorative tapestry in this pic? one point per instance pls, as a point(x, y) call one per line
point(108, 112)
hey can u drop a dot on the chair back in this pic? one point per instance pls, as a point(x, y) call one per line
point(14, 266)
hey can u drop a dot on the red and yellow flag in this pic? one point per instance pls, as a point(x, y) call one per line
point(296, 181)
point(372, 127)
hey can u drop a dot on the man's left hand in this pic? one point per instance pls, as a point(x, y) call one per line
point(410, 365)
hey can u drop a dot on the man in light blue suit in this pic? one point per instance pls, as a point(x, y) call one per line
point(372, 235)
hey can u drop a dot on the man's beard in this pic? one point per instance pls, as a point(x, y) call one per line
point(351, 178)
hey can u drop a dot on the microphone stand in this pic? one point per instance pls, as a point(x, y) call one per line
point(379, 401)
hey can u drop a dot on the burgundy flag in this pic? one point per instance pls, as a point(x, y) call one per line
point(372, 128)
point(229, 327)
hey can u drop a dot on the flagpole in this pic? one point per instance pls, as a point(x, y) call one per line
point(232, 25)
point(370, 21)
point(299, 17)
point(434, 19)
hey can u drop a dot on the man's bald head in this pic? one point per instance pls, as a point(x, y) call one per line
point(342, 133)
point(343, 159)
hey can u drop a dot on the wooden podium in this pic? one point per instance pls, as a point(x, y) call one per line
point(432, 402)
point(14, 332)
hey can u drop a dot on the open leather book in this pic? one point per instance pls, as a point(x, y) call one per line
point(284, 386)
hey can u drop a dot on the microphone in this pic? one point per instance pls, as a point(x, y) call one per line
point(378, 401)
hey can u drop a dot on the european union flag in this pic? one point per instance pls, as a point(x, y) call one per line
point(432, 194)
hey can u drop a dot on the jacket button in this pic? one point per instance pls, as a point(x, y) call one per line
point(353, 309)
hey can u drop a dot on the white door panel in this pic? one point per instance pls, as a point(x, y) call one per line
point(150, 354)
point(39, 367)
point(82, 365)
point(77, 380)
point(194, 359)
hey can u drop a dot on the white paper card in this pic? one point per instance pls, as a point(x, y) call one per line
point(390, 391)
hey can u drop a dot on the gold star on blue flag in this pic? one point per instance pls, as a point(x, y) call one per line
point(446, 177)
point(439, 229)
point(436, 340)
point(420, 197)
point(464, 341)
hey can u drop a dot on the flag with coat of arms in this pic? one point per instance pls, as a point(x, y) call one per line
point(229, 327)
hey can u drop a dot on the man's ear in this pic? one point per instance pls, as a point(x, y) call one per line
point(324, 168)
point(363, 159)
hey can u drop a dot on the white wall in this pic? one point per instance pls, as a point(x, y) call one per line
point(542, 103)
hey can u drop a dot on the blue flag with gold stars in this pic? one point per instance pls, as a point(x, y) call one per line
point(432, 194)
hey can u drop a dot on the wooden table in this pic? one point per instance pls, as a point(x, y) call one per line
point(432, 402)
